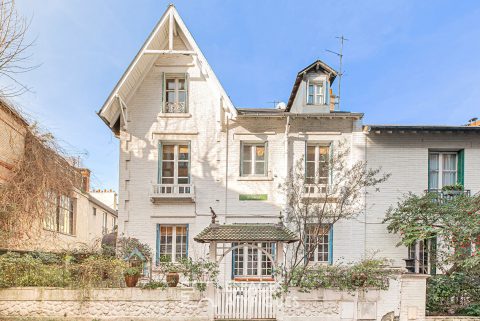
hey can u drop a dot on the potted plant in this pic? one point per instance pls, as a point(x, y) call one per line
point(131, 274)
point(173, 276)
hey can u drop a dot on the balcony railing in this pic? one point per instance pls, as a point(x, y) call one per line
point(175, 107)
point(172, 191)
point(447, 195)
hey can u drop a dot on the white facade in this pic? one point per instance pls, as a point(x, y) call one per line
point(213, 132)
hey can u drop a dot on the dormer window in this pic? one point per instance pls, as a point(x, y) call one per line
point(316, 93)
point(175, 98)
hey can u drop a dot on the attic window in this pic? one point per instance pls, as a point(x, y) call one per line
point(175, 98)
point(316, 93)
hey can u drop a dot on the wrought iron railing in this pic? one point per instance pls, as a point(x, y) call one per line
point(175, 107)
point(447, 195)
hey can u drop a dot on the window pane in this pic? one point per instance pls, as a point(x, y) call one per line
point(247, 168)
point(183, 152)
point(181, 84)
point(170, 84)
point(170, 96)
point(310, 153)
point(449, 178)
point(167, 169)
point(182, 96)
point(449, 161)
point(247, 152)
point(433, 161)
point(311, 89)
point(260, 168)
point(168, 152)
point(260, 152)
point(183, 169)
point(310, 169)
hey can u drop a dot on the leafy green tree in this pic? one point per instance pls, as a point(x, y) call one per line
point(453, 221)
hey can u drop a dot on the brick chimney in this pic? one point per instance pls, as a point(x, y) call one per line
point(85, 179)
point(333, 100)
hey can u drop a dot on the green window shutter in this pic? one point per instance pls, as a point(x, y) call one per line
point(160, 157)
point(433, 255)
point(428, 169)
point(187, 80)
point(164, 95)
point(461, 167)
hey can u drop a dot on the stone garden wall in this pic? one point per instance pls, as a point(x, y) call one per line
point(126, 303)
point(403, 301)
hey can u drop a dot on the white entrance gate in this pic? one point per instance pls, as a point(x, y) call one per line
point(246, 300)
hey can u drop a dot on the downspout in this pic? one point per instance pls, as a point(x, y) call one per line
point(286, 151)
point(226, 167)
point(365, 202)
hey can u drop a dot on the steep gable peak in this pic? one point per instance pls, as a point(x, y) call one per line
point(169, 37)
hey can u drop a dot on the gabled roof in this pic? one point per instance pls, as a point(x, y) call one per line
point(316, 65)
point(169, 37)
point(246, 233)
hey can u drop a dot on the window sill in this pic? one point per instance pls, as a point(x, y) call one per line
point(60, 233)
point(255, 178)
point(174, 115)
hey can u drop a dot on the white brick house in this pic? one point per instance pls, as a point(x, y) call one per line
point(184, 148)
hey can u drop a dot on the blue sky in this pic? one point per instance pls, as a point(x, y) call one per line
point(406, 62)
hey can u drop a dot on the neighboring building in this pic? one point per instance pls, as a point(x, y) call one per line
point(12, 135)
point(108, 197)
point(76, 220)
point(184, 149)
point(419, 159)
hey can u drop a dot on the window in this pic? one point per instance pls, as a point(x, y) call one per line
point(105, 223)
point(114, 223)
point(250, 261)
point(316, 167)
point(318, 243)
point(172, 242)
point(316, 93)
point(421, 252)
point(94, 211)
point(253, 159)
point(61, 217)
point(442, 169)
point(175, 167)
point(175, 98)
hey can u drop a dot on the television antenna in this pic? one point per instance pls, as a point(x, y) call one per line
point(340, 71)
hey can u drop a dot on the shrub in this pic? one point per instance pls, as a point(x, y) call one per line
point(457, 293)
point(98, 271)
point(25, 270)
point(366, 274)
point(152, 285)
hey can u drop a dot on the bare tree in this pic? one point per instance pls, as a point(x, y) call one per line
point(328, 190)
point(13, 49)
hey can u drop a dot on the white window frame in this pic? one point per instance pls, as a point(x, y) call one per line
point(173, 254)
point(320, 244)
point(317, 95)
point(440, 167)
point(310, 187)
point(176, 91)
point(176, 161)
point(55, 222)
point(417, 252)
point(104, 223)
point(253, 159)
point(241, 254)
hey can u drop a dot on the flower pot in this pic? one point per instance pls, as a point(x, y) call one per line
point(172, 279)
point(131, 280)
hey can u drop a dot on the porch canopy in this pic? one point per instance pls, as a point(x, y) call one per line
point(246, 233)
